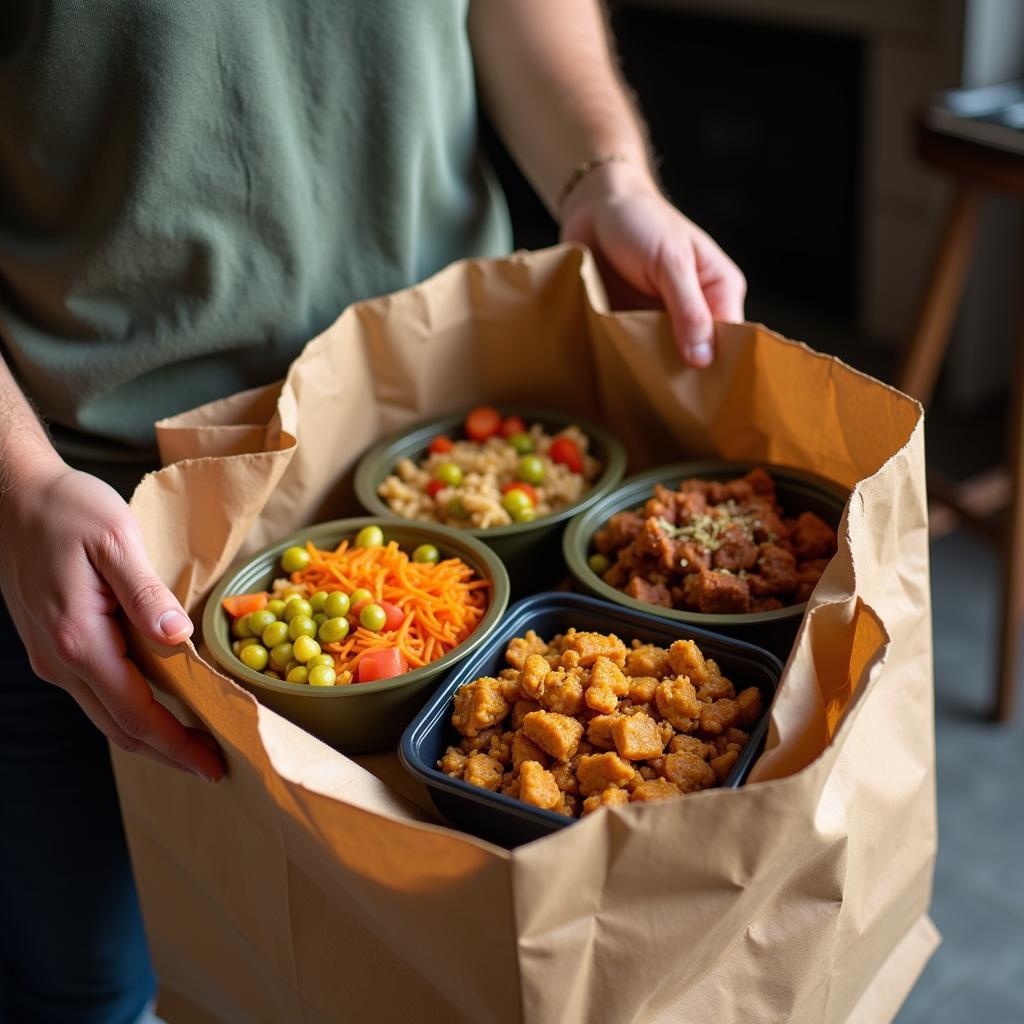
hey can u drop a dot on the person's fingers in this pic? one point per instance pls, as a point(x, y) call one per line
point(723, 283)
point(93, 649)
point(120, 558)
point(675, 276)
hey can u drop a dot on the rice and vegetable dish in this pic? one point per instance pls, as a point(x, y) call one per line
point(715, 547)
point(502, 472)
point(585, 721)
point(365, 611)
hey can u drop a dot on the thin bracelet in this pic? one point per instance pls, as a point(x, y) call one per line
point(581, 170)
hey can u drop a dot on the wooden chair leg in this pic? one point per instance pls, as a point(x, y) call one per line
point(941, 300)
point(1013, 568)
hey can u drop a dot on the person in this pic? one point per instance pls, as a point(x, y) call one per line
point(188, 192)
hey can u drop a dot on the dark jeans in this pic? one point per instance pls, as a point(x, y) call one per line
point(72, 947)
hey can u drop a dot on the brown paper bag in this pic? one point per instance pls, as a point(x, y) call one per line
point(306, 888)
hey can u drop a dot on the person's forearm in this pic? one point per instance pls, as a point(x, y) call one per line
point(24, 446)
point(548, 80)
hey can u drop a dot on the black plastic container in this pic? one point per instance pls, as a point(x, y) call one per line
point(509, 822)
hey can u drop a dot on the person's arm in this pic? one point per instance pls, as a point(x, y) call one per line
point(548, 80)
point(71, 552)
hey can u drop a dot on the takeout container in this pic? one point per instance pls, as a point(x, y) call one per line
point(361, 716)
point(510, 822)
point(530, 551)
point(798, 491)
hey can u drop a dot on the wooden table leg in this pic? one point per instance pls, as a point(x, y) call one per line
point(1013, 582)
point(938, 308)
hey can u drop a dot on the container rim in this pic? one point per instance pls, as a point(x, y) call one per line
point(487, 564)
point(411, 442)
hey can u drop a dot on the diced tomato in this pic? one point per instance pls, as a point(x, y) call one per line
point(242, 604)
point(384, 664)
point(520, 485)
point(435, 487)
point(440, 444)
point(566, 451)
point(482, 423)
point(513, 425)
point(395, 615)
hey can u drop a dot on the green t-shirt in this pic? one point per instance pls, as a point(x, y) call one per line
point(192, 189)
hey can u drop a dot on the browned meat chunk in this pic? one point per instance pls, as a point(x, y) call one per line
point(537, 786)
point(717, 717)
point(751, 707)
point(677, 701)
point(591, 646)
point(686, 659)
point(813, 537)
point(719, 594)
point(524, 749)
point(648, 660)
point(618, 532)
point(688, 772)
point(478, 705)
point(557, 735)
point(761, 482)
point(650, 593)
point(737, 551)
point(453, 763)
point(483, 771)
point(637, 737)
point(599, 771)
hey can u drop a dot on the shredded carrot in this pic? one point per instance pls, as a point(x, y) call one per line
point(442, 602)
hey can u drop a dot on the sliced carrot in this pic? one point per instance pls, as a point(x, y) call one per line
point(242, 604)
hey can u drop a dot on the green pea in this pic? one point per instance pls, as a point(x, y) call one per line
point(360, 595)
point(241, 628)
point(239, 645)
point(272, 674)
point(276, 633)
point(276, 607)
point(599, 563)
point(258, 621)
point(319, 619)
point(370, 537)
point(255, 657)
point(373, 617)
point(320, 659)
point(304, 648)
point(281, 655)
point(322, 676)
point(516, 500)
point(334, 630)
point(531, 469)
point(524, 515)
point(426, 554)
point(316, 602)
point(456, 509)
point(294, 559)
point(337, 603)
point(299, 674)
point(449, 474)
point(301, 625)
point(522, 443)
point(291, 664)
point(297, 606)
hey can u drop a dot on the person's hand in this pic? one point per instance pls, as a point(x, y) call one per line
point(647, 250)
point(71, 552)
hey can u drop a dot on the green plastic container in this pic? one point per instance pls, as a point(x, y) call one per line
point(358, 717)
point(531, 552)
point(797, 492)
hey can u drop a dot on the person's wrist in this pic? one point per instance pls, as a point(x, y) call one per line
point(29, 462)
point(606, 183)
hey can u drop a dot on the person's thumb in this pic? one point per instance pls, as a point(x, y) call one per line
point(121, 559)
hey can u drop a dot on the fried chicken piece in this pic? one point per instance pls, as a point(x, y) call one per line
point(637, 737)
point(650, 593)
point(720, 594)
point(570, 805)
point(479, 705)
point(619, 531)
point(691, 745)
point(453, 763)
point(751, 707)
point(569, 659)
point(736, 551)
point(519, 648)
point(484, 771)
point(677, 701)
point(537, 786)
point(510, 784)
point(716, 718)
point(599, 731)
point(510, 688)
point(563, 691)
point(647, 660)
point(813, 537)
point(655, 789)
point(481, 742)
point(642, 688)
point(564, 774)
point(557, 735)
point(591, 646)
point(599, 771)
point(606, 798)
point(723, 764)
point(716, 687)
point(688, 772)
point(686, 659)
point(520, 710)
point(501, 749)
point(606, 685)
point(532, 675)
point(524, 749)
